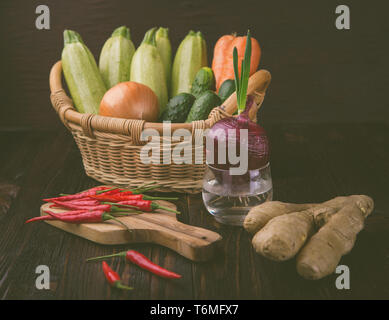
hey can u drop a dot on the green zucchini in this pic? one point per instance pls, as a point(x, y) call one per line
point(178, 107)
point(147, 68)
point(203, 81)
point(226, 89)
point(81, 73)
point(116, 57)
point(165, 50)
point(191, 56)
point(203, 106)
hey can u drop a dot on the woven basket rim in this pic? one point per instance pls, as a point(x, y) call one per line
point(91, 123)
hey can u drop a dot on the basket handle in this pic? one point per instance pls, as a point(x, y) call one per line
point(88, 122)
point(257, 86)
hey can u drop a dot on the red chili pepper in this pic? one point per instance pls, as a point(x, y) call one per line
point(113, 197)
point(75, 204)
point(87, 217)
point(83, 209)
point(108, 192)
point(104, 207)
point(81, 202)
point(49, 217)
point(129, 196)
point(81, 195)
point(143, 262)
point(117, 197)
point(144, 205)
point(84, 206)
point(101, 189)
point(113, 278)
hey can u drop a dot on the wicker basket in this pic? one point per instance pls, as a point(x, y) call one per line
point(110, 147)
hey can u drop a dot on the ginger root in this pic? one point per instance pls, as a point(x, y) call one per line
point(278, 241)
point(283, 228)
point(260, 215)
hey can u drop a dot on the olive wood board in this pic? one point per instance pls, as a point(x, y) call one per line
point(159, 227)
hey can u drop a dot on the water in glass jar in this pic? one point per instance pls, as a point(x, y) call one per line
point(229, 199)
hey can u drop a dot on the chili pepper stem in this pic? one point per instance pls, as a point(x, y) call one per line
point(149, 187)
point(144, 185)
point(119, 254)
point(119, 285)
point(154, 206)
point(139, 191)
point(145, 197)
point(106, 190)
point(115, 208)
point(125, 213)
point(157, 206)
point(108, 216)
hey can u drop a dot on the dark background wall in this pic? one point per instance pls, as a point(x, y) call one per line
point(320, 74)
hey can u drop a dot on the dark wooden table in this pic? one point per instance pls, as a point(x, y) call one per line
point(309, 163)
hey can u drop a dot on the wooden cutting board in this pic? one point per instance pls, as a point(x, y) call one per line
point(160, 227)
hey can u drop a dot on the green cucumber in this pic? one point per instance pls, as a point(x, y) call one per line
point(203, 81)
point(165, 50)
point(203, 106)
point(226, 89)
point(147, 68)
point(81, 73)
point(116, 57)
point(191, 56)
point(178, 108)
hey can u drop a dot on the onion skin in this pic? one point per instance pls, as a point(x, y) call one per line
point(258, 143)
point(130, 100)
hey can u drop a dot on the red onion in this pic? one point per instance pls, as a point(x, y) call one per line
point(257, 144)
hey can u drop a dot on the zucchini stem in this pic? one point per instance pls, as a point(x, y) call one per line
point(70, 36)
point(122, 31)
point(163, 32)
point(150, 37)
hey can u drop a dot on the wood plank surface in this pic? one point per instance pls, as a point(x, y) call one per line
point(310, 163)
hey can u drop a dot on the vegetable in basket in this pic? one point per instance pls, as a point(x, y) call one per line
point(222, 64)
point(203, 81)
point(130, 100)
point(116, 57)
point(226, 89)
point(165, 50)
point(81, 73)
point(178, 107)
point(203, 105)
point(191, 56)
point(147, 68)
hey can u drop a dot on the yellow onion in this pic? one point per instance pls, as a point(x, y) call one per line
point(130, 100)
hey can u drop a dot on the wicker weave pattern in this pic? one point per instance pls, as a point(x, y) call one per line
point(111, 147)
point(117, 162)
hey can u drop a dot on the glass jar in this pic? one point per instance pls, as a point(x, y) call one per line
point(230, 197)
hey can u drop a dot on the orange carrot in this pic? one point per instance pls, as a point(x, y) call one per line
point(222, 64)
point(219, 56)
